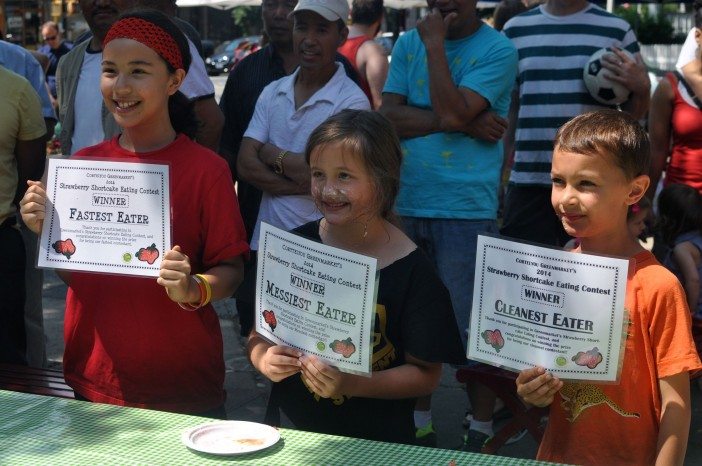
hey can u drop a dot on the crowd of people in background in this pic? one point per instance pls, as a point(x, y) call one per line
point(468, 129)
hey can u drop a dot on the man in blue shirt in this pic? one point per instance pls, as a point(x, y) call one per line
point(447, 93)
point(21, 61)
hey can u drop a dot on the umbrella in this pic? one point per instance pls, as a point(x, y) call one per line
point(220, 4)
point(397, 4)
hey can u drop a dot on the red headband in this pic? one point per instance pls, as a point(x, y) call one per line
point(150, 35)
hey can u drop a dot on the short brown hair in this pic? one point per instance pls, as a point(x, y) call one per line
point(608, 132)
point(370, 136)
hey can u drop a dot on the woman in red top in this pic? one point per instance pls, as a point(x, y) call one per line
point(675, 122)
point(137, 341)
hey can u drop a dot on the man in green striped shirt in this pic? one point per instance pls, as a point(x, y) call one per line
point(554, 41)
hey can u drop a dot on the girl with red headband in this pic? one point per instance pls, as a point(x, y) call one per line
point(138, 341)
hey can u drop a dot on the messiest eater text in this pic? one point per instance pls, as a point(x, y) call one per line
point(304, 304)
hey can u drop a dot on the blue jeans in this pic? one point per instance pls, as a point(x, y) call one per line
point(451, 245)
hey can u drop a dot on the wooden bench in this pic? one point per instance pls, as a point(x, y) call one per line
point(501, 382)
point(32, 380)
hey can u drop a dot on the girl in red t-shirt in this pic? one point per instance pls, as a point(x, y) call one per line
point(137, 341)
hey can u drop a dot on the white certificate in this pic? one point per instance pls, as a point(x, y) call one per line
point(109, 217)
point(316, 298)
point(535, 306)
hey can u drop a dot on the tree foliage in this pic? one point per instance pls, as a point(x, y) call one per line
point(649, 28)
point(247, 19)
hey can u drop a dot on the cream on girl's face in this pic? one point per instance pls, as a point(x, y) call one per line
point(342, 187)
point(136, 84)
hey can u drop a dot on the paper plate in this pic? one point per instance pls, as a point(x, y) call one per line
point(230, 437)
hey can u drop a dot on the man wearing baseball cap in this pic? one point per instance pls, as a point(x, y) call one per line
point(244, 86)
point(271, 155)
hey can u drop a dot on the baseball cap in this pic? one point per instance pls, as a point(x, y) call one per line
point(331, 10)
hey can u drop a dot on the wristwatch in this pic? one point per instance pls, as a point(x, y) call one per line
point(278, 163)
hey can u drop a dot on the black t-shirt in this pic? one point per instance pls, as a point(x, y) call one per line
point(413, 315)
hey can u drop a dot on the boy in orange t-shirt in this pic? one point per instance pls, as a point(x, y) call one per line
point(598, 171)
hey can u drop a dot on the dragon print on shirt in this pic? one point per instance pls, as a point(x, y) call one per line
point(577, 397)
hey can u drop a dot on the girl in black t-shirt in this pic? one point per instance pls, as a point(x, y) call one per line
point(355, 159)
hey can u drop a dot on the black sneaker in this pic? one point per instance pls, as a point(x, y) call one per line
point(473, 441)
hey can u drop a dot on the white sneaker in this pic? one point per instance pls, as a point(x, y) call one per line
point(499, 405)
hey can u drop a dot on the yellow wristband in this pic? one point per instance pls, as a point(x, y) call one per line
point(208, 289)
point(203, 286)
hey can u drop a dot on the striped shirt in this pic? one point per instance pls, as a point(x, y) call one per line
point(552, 53)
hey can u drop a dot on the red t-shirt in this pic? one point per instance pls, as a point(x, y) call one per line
point(350, 50)
point(618, 424)
point(685, 165)
point(127, 343)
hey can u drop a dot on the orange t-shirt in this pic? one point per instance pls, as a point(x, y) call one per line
point(618, 424)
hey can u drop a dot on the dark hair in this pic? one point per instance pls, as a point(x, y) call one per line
point(370, 136)
point(679, 211)
point(366, 12)
point(505, 10)
point(697, 7)
point(608, 132)
point(643, 203)
point(180, 108)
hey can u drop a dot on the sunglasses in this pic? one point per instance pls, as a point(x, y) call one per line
point(46, 39)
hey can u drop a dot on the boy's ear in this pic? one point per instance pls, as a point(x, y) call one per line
point(637, 188)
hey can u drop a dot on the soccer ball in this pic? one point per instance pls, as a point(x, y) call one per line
point(600, 88)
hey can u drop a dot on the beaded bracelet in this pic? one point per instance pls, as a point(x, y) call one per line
point(205, 293)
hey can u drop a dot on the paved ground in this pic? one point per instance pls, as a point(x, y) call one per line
point(248, 391)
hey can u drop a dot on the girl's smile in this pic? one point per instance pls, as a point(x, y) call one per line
point(124, 106)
